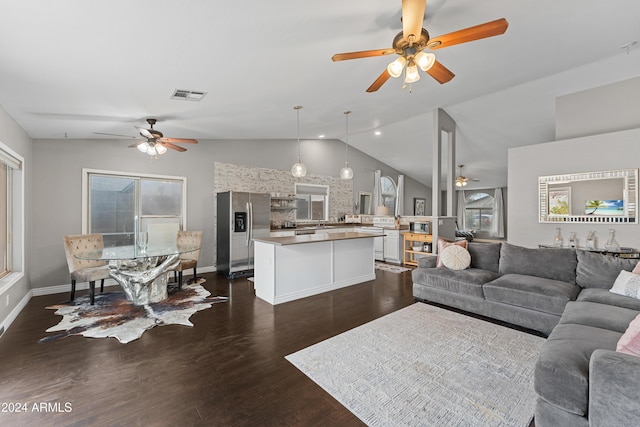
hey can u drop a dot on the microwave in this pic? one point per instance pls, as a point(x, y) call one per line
point(420, 227)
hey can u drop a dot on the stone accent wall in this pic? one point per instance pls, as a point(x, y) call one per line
point(261, 180)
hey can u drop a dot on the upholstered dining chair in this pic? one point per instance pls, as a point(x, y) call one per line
point(83, 270)
point(188, 259)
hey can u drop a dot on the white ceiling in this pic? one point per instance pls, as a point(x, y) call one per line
point(74, 67)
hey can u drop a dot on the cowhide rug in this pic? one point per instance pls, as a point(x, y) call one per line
point(113, 315)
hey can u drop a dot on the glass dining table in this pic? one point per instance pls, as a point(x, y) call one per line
point(142, 273)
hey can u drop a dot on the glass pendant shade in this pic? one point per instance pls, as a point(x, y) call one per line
point(412, 73)
point(298, 169)
point(425, 60)
point(161, 149)
point(346, 172)
point(396, 67)
point(143, 147)
point(152, 150)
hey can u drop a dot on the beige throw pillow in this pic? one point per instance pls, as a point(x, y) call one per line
point(627, 284)
point(455, 257)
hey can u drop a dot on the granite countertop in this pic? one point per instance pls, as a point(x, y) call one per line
point(314, 238)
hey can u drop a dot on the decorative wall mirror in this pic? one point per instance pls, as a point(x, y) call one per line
point(591, 197)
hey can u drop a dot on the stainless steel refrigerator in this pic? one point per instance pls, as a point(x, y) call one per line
point(241, 218)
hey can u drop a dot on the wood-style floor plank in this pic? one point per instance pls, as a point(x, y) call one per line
point(228, 370)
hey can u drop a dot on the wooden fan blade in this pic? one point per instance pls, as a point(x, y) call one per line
point(441, 73)
point(179, 140)
point(489, 29)
point(412, 18)
point(172, 146)
point(114, 134)
point(145, 132)
point(361, 54)
point(135, 144)
point(379, 81)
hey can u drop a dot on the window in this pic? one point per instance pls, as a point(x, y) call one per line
point(388, 190)
point(312, 202)
point(116, 205)
point(11, 207)
point(479, 213)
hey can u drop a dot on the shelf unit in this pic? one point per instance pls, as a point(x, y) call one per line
point(411, 240)
point(283, 203)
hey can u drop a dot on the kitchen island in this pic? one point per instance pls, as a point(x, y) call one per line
point(290, 268)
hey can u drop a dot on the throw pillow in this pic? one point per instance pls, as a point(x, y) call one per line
point(442, 244)
point(627, 284)
point(636, 269)
point(455, 257)
point(629, 342)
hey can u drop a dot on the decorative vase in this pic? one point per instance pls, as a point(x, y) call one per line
point(558, 241)
point(573, 240)
point(590, 241)
point(612, 244)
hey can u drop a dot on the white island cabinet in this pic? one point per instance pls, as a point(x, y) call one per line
point(289, 268)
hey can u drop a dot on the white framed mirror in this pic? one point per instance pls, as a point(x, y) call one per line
point(589, 197)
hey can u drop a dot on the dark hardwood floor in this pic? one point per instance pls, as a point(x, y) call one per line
point(227, 370)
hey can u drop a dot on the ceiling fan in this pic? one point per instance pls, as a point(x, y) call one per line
point(461, 180)
point(413, 39)
point(153, 141)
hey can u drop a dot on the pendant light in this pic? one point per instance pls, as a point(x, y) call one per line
point(298, 169)
point(346, 172)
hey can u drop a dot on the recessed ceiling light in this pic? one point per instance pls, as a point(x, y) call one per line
point(321, 136)
point(188, 95)
point(377, 133)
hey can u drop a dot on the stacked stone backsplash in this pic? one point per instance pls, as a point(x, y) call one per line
point(262, 180)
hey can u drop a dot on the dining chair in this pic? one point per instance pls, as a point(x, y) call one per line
point(83, 270)
point(188, 259)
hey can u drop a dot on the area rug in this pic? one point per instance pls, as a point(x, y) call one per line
point(391, 268)
point(113, 315)
point(427, 366)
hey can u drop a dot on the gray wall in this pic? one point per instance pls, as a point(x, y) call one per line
point(618, 150)
point(58, 164)
point(14, 137)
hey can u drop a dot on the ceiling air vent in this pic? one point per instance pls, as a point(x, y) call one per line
point(188, 95)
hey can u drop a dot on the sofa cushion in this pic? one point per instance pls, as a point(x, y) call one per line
point(485, 255)
point(443, 244)
point(627, 284)
point(455, 257)
point(561, 372)
point(468, 282)
point(535, 293)
point(601, 316)
point(596, 270)
point(603, 296)
point(629, 342)
point(556, 264)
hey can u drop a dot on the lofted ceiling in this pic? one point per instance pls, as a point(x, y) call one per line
point(70, 68)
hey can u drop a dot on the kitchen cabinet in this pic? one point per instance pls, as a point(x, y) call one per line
point(392, 246)
point(412, 240)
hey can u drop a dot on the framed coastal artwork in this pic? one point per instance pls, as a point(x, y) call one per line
point(560, 201)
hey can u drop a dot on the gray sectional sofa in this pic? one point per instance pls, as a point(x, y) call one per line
point(564, 293)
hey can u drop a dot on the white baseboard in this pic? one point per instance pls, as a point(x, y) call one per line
point(7, 321)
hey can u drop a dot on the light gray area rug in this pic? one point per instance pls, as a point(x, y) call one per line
point(427, 366)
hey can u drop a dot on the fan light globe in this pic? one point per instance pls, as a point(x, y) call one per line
point(298, 170)
point(396, 67)
point(412, 73)
point(152, 150)
point(346, 172)
point(143, 147)
point(161, 149)
point(425, 60)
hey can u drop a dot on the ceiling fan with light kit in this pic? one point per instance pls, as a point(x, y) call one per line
point(411, 42)
point(461, 180)
point(153, 142)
